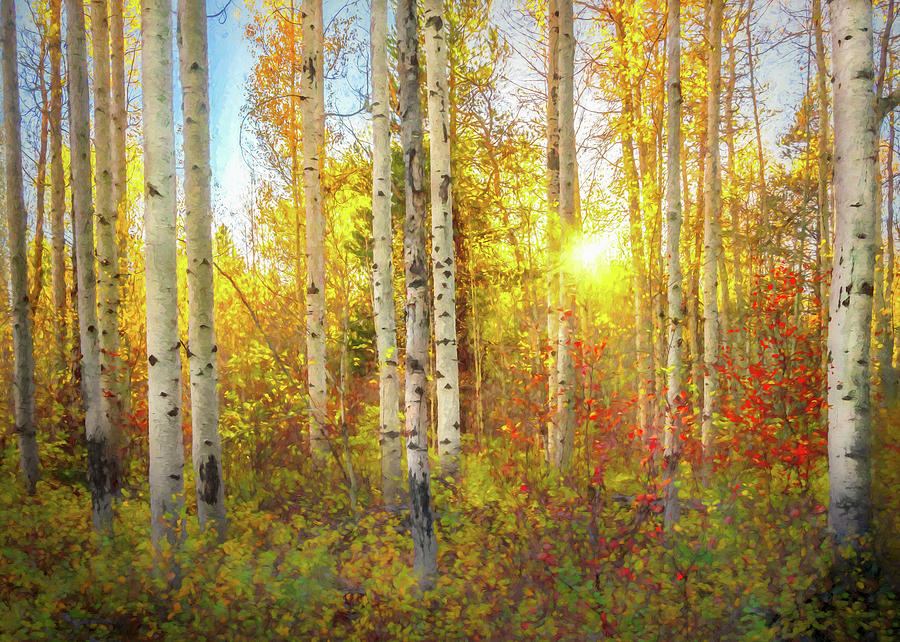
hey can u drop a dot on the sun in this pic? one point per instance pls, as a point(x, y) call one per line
point(592, 252)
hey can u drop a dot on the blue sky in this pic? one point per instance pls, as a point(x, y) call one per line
point(230, 63)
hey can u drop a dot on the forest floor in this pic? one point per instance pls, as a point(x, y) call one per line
point(523, 554)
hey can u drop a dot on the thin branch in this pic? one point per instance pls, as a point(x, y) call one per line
point(243, 299)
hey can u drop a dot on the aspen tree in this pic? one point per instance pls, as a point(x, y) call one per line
point(163, 354)
point(738, 311)
point(118, 121)
point(562, 440)
point(674, 399)
point(383, 262)
point(852, 283)
point(442, 255)
point(58, 184)
point(883, 343)
point(293, 139)
point(16, 220)
point(6, 344)
point(207, 448)
point(107, 249)
point(693, 325)
point(315, 223)
point(552, 201)
point(96, 428)
point(641, 307)
point(712, 240)
point(40, 179)
point(415, 262)
point(890, 340)
point(823, 156)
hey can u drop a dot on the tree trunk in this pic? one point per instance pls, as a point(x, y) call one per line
point(736, 316)
point(674, 399)
point(712, 241)
point(96, 428)
point(823, 158)
point(552, 205)
point(638, 266)
point(119, 123)
point(884, 266)
point(207, 448)
point(296, 178)
point(694, 324)
point(761, 158)
point(16, 217)
point(6, 343)
point(890, 340)
point(383, 263)
point(852, 284)
point(7, 392)
point(107, 249)
point(315, 226)
point(40, 183)
point(446, 358)
point(163, 355)
point(562, 441)
point(58, 185)
point(416, 271)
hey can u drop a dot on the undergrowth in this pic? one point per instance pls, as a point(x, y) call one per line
point(523, 554)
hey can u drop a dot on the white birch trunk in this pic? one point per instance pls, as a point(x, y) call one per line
point(315, 224)
point(96, 428)
point(552, 205)
point(119, 122)
point(641, 308)
point(107, 250)
point(712, 241)
point(383, 262)
point(206, 449)
point(674, 398)
point(415, 260)
point(561, 442)
point(823, 248)
point(852, 283)
point(442, 255)
point(163, 355)
point(16, 217)
point(58, 182)
point(6, 344)
point(889, 378)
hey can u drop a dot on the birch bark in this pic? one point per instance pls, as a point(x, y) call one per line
point(207, 448)
point(852, 284)
point(96, 427)
point(641, 309)
point(552, 203)
point(58, 185)
point(118, 121)
point(562, 441)
point(107, 249)
point(443, 261)
point(383, 262)
point(417, 309)
point(16, 217)
point(712, 240)
point(315, 223)
point(674, 399)
point(163, 355)
point(823, 158)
